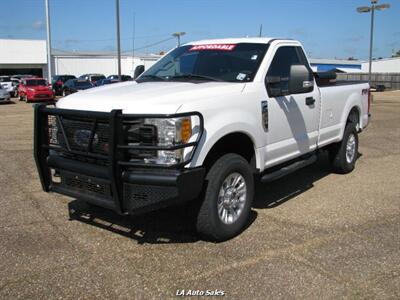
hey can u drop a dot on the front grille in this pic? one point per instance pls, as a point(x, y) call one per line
point(82, 135)
point(88, 140)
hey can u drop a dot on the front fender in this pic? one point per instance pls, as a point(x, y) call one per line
point(222, 124)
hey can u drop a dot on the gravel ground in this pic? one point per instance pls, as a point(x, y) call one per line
point(313, 234)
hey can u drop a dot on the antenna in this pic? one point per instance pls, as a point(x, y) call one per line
point(260, 33)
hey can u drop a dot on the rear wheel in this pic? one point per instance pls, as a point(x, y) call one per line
point(344, 154)
point(228, 197)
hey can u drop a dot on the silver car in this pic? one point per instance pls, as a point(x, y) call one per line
point(4, 95)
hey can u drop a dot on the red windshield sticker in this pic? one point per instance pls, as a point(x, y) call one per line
point(220, 47)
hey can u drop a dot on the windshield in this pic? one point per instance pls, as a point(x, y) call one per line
point(96, 78)
point(216, 62)
point(83, 84)
point(36, 82)
point(5, 79)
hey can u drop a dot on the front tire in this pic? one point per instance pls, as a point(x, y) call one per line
point(344, 154)
point(228, 198)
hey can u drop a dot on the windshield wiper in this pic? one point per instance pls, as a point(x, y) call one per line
point(195, 76)
point(150, 76)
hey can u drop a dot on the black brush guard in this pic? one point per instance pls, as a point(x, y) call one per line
point(98, 171)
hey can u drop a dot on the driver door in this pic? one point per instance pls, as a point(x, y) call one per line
point(292, 117)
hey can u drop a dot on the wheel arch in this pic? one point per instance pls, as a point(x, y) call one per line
point(238, 142)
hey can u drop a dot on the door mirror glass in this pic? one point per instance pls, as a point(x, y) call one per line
point(300, 80)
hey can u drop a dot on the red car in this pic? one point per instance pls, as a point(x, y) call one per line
point(35, 89)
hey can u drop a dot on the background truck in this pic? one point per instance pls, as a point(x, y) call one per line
point(7, 84)
point(203, 123)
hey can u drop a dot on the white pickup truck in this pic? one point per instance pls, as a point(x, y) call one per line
point(8, 84)
point(203, 123)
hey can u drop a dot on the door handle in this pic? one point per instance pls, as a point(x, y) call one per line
point(310, 101)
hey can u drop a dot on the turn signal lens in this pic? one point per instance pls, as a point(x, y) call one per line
point(186, 130)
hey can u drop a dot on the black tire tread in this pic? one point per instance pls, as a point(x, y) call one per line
point(338, 152)
point(207, 223)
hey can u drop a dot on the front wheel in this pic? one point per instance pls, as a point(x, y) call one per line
point(228, 197)
point(344, 154)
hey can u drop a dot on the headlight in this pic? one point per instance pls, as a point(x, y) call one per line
point(170, 132)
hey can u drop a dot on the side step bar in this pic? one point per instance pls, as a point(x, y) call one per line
point(289, 169)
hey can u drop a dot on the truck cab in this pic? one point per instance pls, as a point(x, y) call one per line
point(202, 124)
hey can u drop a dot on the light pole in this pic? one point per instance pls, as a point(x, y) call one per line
point(118, 39)
point(48, 40)
point(366, 9)
point(178, 36)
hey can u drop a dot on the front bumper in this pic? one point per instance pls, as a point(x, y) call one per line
point(40, 96)
point(121, 186)
point(4, 99)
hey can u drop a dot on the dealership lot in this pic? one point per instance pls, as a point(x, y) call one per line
point(314, 234)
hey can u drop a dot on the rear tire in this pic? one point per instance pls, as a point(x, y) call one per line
point(344, 154)
point(228, 197)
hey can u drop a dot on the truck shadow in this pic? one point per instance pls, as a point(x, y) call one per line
point(166, 226)
point(278, 192)
point(177, 224)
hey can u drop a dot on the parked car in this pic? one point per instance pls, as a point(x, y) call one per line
point(106, 81)
point(123, 77)
point(201, 124)
point(93, 78)
point(4, 95)
point(58, 82)
point(75, 85)
point(8, 85)
point(35, 89)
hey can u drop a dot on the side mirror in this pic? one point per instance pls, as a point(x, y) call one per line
point(301, 81)
point(138, 71)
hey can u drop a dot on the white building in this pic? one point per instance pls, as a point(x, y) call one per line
point(29, 57)
point(23, 57)
point(78, 63)
point(384, 65)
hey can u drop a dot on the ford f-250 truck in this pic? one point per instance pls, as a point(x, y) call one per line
point(206, 121)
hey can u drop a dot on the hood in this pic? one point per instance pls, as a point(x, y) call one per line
point(147, 97)
point(38, 87)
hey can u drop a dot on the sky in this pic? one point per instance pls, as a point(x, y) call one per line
point(327, 28)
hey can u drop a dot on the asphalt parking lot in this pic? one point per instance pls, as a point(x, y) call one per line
point(313, 235)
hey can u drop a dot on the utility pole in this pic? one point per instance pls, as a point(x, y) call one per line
point(371, 9)
point(118, 39)
point(48, 40)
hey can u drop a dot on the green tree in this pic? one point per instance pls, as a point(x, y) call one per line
point(397, 54)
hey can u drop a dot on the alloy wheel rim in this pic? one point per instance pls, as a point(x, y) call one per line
point(350, 148)
point(232, 198)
